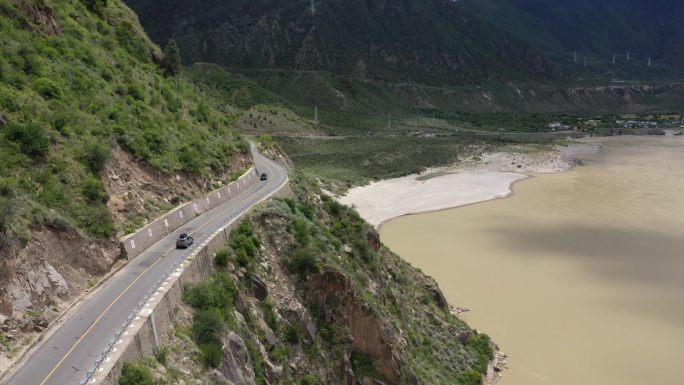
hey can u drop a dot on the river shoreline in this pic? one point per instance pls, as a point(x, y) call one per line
point(470, 181)
point(579, 235)
point(492, 175)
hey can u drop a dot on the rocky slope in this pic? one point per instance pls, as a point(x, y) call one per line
point(305, 293)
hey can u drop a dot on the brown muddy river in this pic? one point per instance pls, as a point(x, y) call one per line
point(578, 276)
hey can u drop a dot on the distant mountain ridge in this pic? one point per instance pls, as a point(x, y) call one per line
point(431, 41)
point(426, 41)
point(642, 28)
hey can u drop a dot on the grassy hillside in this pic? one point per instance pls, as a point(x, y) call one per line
point(76, 78)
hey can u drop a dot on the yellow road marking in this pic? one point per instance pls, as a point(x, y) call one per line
point(54, 369)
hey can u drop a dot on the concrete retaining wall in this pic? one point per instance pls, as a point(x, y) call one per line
point(153, 326)
point(134, 244)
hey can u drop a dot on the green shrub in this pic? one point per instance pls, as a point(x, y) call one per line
point(172, 59)
point(480, 344)
point(221, 258)
point(362, 364)
point(469, 377)
point(307, 210)
point(332, 206)
point(135, 91)
point(304, 261)
point(97, 221)
point(301, 232)
point(31, 137)
point(211, 354)
point(162, 355)
point(265, 140)
point(95, 6)
point(292, 334)
point(93, 190)
point(207, 325)
point(47, 88)
point(135, 374)
point(270, 314)
point(218, 291)
point(95, 156)
point(244, 243)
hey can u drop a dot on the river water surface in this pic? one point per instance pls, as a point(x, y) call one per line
point(578, 276)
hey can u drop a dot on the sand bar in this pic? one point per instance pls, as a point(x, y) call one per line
point(473, 180)
point(388, 199)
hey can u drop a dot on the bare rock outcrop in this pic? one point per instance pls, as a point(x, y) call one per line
point(373, 239)
point(43, 18)
point(368, 334)
point(236, 365)
point(39, 284)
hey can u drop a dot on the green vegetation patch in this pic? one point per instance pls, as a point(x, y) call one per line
point(67, 97)
point(214, 302)
point(136, 374)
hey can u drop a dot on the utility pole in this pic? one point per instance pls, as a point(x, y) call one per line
point(628, 55)
point(585, 62)
point(613, 58)
point(313, 8)
point(649, 61)
point(389, 121)
point(315, 115)
point(574, 56)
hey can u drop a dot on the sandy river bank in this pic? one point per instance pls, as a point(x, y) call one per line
point(473, 180)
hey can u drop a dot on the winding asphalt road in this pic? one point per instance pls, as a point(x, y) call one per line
point(65, 356)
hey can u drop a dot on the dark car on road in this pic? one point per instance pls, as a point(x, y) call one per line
point(184, 241)
point(263, 176)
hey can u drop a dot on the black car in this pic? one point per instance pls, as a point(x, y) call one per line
point(263, 176)
point(184, 241)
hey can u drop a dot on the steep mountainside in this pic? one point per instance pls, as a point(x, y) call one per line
point(432, 41)
point(95, 138)
point(306, 294)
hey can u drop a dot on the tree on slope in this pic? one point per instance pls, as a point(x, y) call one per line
point(172, 58)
